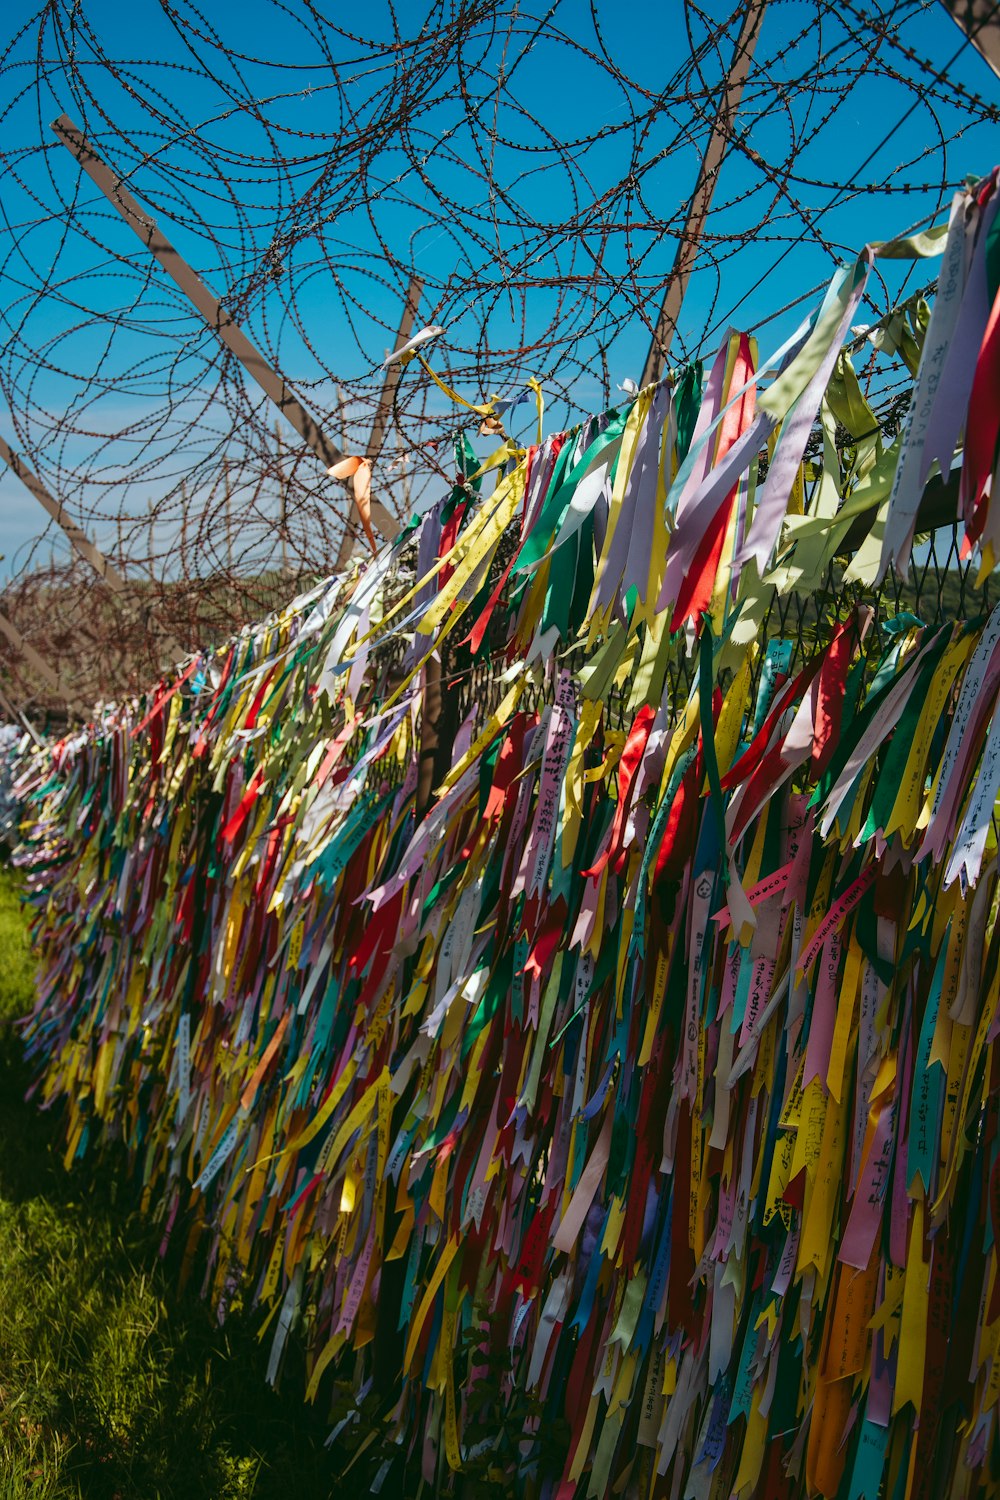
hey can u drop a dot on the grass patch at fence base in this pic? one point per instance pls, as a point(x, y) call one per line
point(112, 1385)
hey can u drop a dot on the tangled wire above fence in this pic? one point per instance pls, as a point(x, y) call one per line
point(533, 165)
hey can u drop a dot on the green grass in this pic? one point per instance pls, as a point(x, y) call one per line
point(113, 1385)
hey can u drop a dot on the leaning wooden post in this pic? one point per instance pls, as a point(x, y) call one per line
point(36, 662)
point(701, 198)
point(79, 540)
point(980, 21)
point(211, 309)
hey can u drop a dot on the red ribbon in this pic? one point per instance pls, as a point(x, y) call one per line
point(695, 593)
point(635, 747)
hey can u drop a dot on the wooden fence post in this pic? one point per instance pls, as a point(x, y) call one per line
point(211, 309)
point(701, 198)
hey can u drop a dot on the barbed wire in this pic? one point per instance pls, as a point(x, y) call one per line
point(526, 161)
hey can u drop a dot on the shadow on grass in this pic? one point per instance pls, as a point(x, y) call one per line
point(113, 1385)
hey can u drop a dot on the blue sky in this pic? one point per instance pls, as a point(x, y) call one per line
point(305, 164)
